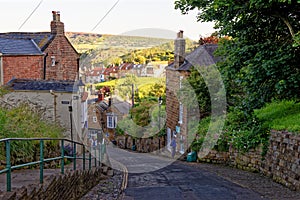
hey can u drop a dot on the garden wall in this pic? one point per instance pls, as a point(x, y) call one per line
point(281, 163)
point(73, 185)
point(143, 145)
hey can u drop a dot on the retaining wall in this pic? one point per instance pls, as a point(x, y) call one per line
point(143, 145)
point(281, 163)
point(72, 185)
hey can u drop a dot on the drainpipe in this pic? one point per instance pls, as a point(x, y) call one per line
point(78, 59)
point(1, 70)
point(45, 61)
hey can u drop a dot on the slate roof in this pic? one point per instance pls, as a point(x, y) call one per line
point(9, 46)
point(42, 85)
point(42, 39)
point(202, 56)
point(102, 106)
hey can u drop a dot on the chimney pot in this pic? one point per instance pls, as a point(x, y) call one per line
point(56, 15)
point(180, 34)
point(57, 27)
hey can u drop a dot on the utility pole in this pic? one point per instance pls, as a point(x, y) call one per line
point(132, 95)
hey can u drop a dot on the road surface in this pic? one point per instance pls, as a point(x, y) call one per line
point(155, 177)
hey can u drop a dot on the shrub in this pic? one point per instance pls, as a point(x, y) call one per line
point(22, 122)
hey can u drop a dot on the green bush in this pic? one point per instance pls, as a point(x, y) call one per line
point(22, 122)
point(240, 131)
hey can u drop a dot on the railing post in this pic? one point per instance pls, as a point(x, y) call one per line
point(62, 165)
point(74, 156)
point(41, 161)
point(8, 166)
point(83, 164)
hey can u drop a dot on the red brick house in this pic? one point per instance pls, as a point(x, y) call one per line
point(38, 55)
point(180, 116)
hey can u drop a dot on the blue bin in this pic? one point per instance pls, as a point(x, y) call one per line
point(191, 157)
point(133, 148)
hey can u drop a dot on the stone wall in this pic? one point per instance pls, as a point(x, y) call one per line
point(143, 145)
point(281, 163)
point(73, 185)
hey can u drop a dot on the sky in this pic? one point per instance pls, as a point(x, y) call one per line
point(130, 17)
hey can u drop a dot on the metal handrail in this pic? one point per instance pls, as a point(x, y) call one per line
point(9, 168)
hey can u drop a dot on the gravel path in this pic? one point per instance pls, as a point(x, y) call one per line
point(109, 189)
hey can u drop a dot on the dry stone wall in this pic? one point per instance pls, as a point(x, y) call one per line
point(143, 145)
point(281, 163)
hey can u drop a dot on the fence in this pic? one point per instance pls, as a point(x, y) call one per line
point(97, 151)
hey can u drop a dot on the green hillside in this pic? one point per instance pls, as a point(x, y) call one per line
point(86, 41)
point(106, 49)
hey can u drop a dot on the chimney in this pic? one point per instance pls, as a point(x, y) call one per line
point(179, 49)
point(57, 27)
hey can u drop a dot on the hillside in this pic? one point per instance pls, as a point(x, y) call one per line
point(99, 49)
point(86, 41)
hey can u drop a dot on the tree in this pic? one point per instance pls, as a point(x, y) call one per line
point(140, 59)
point(116, 61)
point(124, 89)
point(261, 61)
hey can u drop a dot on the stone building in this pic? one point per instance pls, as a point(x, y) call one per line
point(38, 55)
point(182, 117)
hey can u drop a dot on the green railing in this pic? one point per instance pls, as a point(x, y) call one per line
point(98, 153)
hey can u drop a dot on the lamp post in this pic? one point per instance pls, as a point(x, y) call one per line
point(71, 121)
point(160, 100)
point(159, 106)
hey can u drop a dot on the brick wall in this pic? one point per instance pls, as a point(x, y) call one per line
point(281, 163)
point(66, 60)
point(29, 67)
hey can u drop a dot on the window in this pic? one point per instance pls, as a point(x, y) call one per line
point(94, 119)
point(111, 121)
point(180, 113)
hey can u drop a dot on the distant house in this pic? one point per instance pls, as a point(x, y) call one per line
point(178, 113)
point(110, 72)
point(95, 75)
point(38, 55)
point(94, 127)
point(125, 69)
